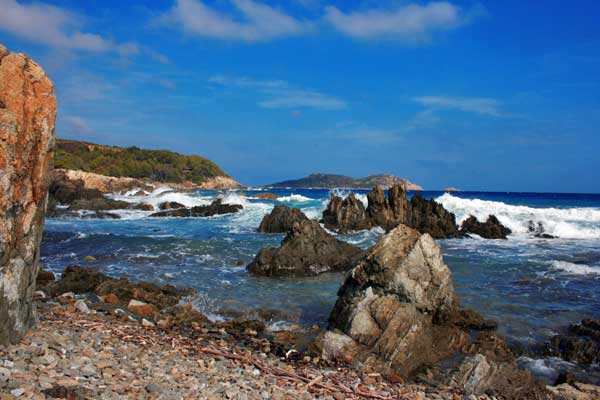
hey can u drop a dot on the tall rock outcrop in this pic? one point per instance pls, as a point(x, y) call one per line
point(27, 117)
point(427, 216)
point(397, 313)
point(281, 219)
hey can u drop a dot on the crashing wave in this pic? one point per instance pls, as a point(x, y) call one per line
point(574, 269)
point(296, 198)
point(567, 223)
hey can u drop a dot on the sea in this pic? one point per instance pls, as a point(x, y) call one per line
point(534, 288)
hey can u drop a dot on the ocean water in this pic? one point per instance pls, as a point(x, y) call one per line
point(532, 287)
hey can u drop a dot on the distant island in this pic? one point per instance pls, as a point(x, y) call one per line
point(451, 189)
point(331, 181)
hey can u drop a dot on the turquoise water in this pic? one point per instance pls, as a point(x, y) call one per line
point(532, 287)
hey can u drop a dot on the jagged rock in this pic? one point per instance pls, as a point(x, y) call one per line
point(215, 208)
point(27, 121)
point(427, 216)
point(169, 205)
point(44, 277)
point(576, 391)
point(306, 250)
point(140, 308)
point(142, 207)
point(281, 219)
point(76, 279)
point(345, 215)
point(397, 313)
point(490, 229)
point(580, 344)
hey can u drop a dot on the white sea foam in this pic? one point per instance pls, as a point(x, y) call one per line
point(297, 198)
point(574, 269)
point(163, 194)
point(234, 198)
point(567, 223)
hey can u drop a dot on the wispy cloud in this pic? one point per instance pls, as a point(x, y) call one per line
point(76, 124)
point(479, 105)
point(411, 22)
point(55, 27)
point(282, 95)
point(257, 21)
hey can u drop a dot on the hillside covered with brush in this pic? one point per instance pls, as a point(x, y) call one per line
point(133, 162)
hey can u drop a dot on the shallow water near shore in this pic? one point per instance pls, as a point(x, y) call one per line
point(531, 287)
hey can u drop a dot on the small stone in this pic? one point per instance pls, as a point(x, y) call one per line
point(4, 374)
point(147, 323)
point(17, 392)
point(66, 298)
point(9, 364)
point(152, 388)
point(39, 295)
point(140, 308)
point(82, 307)
point(111, 298)
point(89, 258)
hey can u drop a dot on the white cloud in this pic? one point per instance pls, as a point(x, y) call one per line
point(412, 22)
point(484, 106)
point(258, 21)
point(55, 27)
point(281, 94)
point(76, 124)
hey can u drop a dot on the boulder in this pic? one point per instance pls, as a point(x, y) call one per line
point(142, 207)
point(27, 123)
point(490, 229)
point(158, 296)
point(215, 208)
point(76, 279)
point(579, 344)
point(306, 250)
point(397, 313)
point(345, 215)
point(281, 219)
point(140, 308)
point(43, 278)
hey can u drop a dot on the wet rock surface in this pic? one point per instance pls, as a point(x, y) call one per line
point(427, 216)
point(490, 229)
point(217, 207)
point(345, 215)
point(306, 250)
point(27, 137)
point(580, 344)
point(281, 219)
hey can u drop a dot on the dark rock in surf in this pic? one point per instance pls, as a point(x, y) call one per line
point(429, 216)
point(539, 231)
point(168, 205)
point(76, 279)
point(306, 250)
point(266, 196)
point(142, 207)
point(215, 208)
point(345, 215)
point(580, 344)
point(490, 229)
point(281, 219)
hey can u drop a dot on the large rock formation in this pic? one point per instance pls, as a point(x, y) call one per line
point(490, 229)
point(27, 117)
point(427, 216)
point(345, 214)
point(281, 219)
point(397, 313)
point(580, 344)
point(306, 250)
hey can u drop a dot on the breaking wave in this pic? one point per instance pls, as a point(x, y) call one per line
point(567, 223)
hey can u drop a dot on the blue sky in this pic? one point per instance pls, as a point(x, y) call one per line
point(498, 95)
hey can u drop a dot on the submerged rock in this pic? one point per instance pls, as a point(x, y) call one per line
point(27, 119)
point(490, 229)
point(345, 215)
point(397, 313)
point(538, 230)
point(265, 195)
point(215, 208)
point(281, 219)
point(306, 250)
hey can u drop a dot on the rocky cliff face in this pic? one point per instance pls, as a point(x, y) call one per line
point(27, 117)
